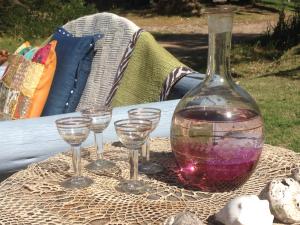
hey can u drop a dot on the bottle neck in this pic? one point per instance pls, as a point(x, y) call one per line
point(218, 65)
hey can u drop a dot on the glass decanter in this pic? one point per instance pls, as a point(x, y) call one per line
point(217, 129)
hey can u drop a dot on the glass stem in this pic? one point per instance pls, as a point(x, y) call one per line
point(99, 145)
point(148, 150)
point(76, 158)
point(145, 151)
point(134, 162)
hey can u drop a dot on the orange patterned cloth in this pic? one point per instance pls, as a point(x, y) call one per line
point(26, 83)
point(40, 95)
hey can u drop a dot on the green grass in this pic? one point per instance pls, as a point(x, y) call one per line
point(277, 4)
point(272, 77)
point(275, 84)
point(11, 44)
point(279, 101)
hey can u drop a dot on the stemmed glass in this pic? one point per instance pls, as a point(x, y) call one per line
point(133, 134)
point(152, 114)
point(75, 130)
point(101, 117)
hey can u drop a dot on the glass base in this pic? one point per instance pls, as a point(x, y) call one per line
point(100, 164)
point(83, 152)
point(150, 168)
point(136, 187)
point(77, 182)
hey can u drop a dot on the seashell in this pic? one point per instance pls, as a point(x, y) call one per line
point(284, 197)
point(183, 218)
point(296, 174)
point(245, 210)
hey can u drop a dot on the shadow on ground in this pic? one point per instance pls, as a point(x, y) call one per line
point(5, 176)
point(291, 74)
point(192, 49)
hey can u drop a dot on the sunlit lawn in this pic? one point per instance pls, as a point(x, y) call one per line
point(279, 100)
point(278, 4)
point(11, 44)
point(275, 84)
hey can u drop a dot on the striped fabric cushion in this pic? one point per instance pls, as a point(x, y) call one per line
point(109, 52)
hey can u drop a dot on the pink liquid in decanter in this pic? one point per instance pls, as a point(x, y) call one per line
point(216, 149)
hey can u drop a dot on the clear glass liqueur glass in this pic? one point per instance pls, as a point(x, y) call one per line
point(74, 131)
point(101, 117)
point(152, 114)
point(217, 129)
point(133, 133)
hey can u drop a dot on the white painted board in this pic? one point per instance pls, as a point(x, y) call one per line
point(31, 140)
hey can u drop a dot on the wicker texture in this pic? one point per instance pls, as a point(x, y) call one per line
point(33, 196)
point(109, 51)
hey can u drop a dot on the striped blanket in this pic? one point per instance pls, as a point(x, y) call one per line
point(146, 73)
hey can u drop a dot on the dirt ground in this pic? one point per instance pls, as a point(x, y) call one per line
point(187, 38)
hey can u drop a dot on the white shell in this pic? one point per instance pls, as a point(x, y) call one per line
point(284, 197)
point(183, 218)
point(246, 210)
point(296, 174)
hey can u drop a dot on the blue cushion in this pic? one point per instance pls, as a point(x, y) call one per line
point(185, 84)
point(74, 60)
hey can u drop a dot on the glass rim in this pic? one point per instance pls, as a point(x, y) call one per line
point(151, 109)
point(96, 109)
point(73, 121)
point(147, 113)
point(121, 124)
point(152, 118)
point(145, 121)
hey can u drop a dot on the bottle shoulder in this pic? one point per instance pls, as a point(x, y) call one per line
point(218, 95)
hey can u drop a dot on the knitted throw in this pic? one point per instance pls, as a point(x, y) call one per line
point(149, 67)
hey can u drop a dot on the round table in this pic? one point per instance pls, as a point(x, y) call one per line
point(34, 196)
